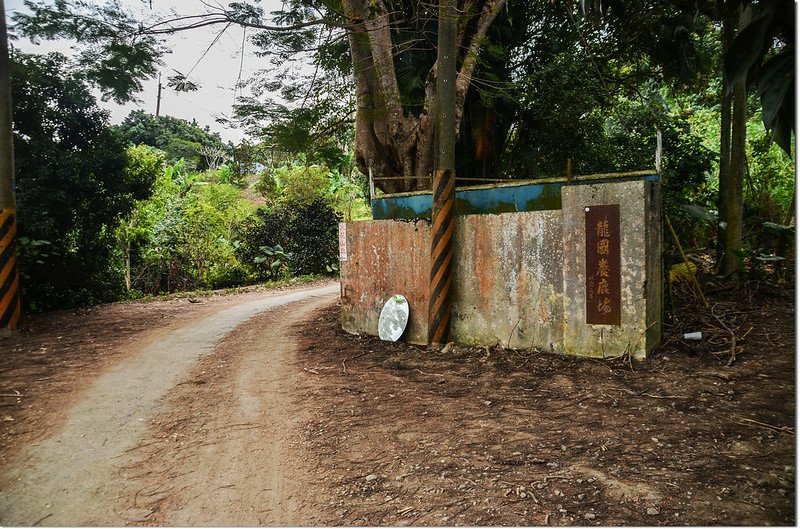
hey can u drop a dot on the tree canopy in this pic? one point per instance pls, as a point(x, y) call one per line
point(72, 184)
point(540, 86)
point(178, 138)
point(374, 65)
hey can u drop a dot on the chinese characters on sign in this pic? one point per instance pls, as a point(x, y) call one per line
point(342, 241)
point(603, 274)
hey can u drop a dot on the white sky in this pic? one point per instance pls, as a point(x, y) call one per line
point(216, 73)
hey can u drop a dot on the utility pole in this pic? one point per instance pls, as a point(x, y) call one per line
point(158, 98)
point(444, 179)
point(9, 274)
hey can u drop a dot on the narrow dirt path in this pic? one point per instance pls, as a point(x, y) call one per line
point(226, 446)
point(80, 475)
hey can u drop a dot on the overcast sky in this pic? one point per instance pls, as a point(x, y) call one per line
point(216, 73)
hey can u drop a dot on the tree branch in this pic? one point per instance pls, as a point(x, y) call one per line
point(210, 19)
point(347, 119)
point(490, 11)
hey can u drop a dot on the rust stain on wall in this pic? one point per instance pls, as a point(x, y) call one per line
point(386, 258)
point(519, 278)
point(484, 260)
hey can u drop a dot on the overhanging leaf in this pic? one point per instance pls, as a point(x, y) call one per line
point(776, 88)
point(747, 48)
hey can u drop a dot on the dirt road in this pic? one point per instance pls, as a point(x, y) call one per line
point(91, 470)
point(123, 414)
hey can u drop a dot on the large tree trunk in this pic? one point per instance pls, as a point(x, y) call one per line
point(391, 140)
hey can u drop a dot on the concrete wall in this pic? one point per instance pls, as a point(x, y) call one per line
point(386, 258)
point(519, 278)
point(640, 255)
point(507, 280)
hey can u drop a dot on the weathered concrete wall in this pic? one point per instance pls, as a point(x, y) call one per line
point(640, 253)
point(507, 280)
point(508, 269)
point(519, 278)
point(386, 258)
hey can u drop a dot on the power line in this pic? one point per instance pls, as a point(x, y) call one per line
point(216, 39)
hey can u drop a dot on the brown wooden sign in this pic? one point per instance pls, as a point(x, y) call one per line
point(603, 272)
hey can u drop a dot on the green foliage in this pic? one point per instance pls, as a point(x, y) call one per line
point(312, 238)
point(178, 138)
point(307, 232)
point(686, 165)
point(185, 234)
point(301, 184)
point(144, 161)
point(31, 253)
point(321, 128)
point(770, 185)
point(224, 174)
point(273, 262)
point(106, 54)
point(188, 151)
point(348, 196)
point(75, 180)
point(575, 78)
point(265, 228)
point(764, 51)
point(246, 159)
point(267, 187)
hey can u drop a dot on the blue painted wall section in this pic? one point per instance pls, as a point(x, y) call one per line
point(501, 199)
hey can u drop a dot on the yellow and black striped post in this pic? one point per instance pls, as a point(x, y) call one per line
point(9, 275)
point(444, 178)
point(443, 220)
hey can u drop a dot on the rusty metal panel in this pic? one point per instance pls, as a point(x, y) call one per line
point(603, 271)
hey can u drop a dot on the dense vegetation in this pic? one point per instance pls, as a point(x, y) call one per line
point(158, 204)
point(109, 212)
point(73, 184)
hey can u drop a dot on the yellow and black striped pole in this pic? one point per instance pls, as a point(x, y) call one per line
point(444, 180)
point(441, 256)
point(9, 274)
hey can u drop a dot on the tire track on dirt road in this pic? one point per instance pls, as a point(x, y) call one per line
point(74, 476)
point(227, 447)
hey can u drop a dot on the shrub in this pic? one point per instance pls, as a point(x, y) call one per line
point(312, 239)
point(305, 237)
point(264, 228)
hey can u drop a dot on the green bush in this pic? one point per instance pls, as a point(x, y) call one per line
point(264, 228)
point(312, 238)
point(273, 261)
point(305, 237)
point(75, 180)
point(183, 237)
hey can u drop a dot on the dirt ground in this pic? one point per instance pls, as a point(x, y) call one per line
point(45, 366)
point(477, 436)
point(312, 426)
point(86, 467)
